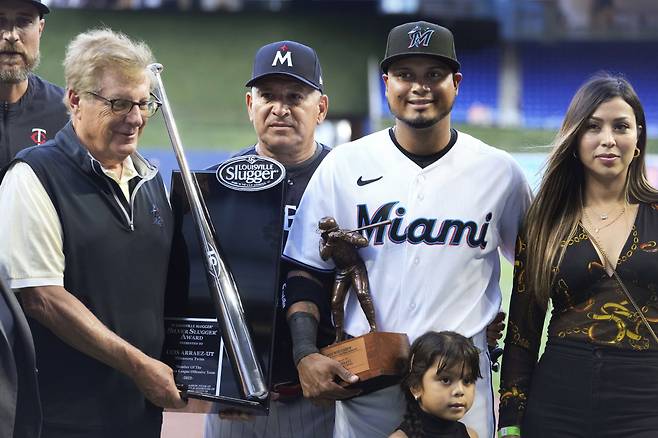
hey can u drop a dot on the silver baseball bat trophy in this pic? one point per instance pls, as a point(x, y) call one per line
point(239, 345)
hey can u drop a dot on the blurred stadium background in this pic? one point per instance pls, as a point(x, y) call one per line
point(522, 61)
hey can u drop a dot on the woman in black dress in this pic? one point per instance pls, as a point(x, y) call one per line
point(589, 246)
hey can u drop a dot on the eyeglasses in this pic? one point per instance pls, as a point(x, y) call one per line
point(124, 106)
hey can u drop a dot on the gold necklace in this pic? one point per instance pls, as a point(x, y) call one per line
point(602, 216)
point(596, 230)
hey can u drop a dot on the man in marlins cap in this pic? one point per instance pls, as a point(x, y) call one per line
point(454, 202)
point(285, 103)
point(33, 110)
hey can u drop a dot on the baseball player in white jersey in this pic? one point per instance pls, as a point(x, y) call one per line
point(454, 203)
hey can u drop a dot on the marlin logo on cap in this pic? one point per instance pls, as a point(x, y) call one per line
point(280, 58)
point(419, 37)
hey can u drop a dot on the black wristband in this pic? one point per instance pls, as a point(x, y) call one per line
point(303, 331)
point(300, 288)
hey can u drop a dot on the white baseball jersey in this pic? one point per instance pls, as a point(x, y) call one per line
point(436, 266)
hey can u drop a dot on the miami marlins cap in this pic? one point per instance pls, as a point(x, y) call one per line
point(43, 9)
point(420, 38)
point(288, 58)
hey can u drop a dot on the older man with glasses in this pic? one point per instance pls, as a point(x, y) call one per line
point(85, 241)
point(32, 108)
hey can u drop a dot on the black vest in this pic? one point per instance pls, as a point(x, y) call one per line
point(33, 120)
point(116, 265)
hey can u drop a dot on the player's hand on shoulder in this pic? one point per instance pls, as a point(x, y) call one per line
point(318, 375)
point(495, 329)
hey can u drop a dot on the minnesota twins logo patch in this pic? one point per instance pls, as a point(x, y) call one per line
point(38, 136)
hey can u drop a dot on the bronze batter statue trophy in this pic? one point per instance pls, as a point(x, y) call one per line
point(376, 357)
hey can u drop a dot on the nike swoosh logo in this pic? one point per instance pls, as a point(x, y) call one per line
point(363, 182)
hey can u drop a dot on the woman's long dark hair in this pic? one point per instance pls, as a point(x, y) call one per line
point(452, 350)
point(554, 213)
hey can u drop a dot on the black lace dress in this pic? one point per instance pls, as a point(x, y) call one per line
point(588, 307)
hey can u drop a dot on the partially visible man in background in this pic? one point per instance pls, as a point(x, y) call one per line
point(285, 104)
point(85, 237)
point(32, 108)
point(20, 409)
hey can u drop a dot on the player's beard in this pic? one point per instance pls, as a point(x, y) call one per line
point(420, 121)
point(18, 73)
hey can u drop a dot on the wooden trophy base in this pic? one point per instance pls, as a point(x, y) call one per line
point(378, 358)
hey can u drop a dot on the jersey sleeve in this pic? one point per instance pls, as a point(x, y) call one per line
point(318, 201)
point(31, 245)
point(516, 206)
point(522, 343)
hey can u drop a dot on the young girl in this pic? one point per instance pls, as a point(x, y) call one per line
point(439, 386)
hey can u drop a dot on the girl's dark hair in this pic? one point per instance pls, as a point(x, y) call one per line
point(452, 350)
